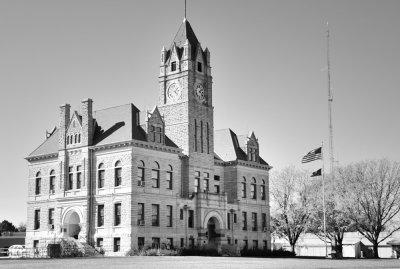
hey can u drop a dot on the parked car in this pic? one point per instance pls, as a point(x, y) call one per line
point(16, 251)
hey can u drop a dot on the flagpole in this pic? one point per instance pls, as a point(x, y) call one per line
point(323, 197)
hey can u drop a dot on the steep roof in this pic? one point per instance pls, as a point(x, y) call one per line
point(50, 145)
point(228, 147)
point(112, 125)
point(185, 32)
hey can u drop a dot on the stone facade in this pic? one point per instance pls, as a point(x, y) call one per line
point(107, 179)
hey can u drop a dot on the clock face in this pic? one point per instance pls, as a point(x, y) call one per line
point(199, 93)
point(174, 92)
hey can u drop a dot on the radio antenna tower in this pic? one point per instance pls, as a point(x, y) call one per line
point(330, 101)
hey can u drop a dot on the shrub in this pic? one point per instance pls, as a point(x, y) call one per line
point(266, 253)
point(153, 252)
point(199, 251)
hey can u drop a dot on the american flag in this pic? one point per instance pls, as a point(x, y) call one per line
point(315, 154)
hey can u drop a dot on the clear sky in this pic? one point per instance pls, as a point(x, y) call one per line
point(269, 72)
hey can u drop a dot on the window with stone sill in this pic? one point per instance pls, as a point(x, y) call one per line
point(100, 176)
point(70, 178)
point(37, 219)
point(118, 174)
point(52, 182)
point(51, 216)
point(169, 215)
point(140, 214)
point(169, 178)
point(117, 214)
point(78, 177)
point(38, 183)
point(100, 215)
point(173, 66)
point(155, 175)
point(253, 190)
point(117, 244)
point(140, 174)
point(155, 215)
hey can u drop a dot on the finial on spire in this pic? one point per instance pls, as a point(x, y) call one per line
point(185, 10)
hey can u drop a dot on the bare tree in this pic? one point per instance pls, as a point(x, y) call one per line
point(371, 193)
point(291, 192)
point(337, 219)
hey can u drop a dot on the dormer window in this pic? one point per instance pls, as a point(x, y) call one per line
point(252, 154)
point(173, 66)
point(155, 134)
point(199, 67)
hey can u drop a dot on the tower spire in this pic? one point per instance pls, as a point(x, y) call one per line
point(185, 10)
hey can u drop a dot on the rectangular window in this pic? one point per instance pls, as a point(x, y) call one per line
point(195, 135)
point(191, 242)
point(264, 220)
point(254, 221)
point(253, 192)
point(78, 177)
point(170, 243)
point(37, 219)
point(37, 186)
point(182, 242)
point(229, 220)
point(140, 242)
point(70, 178)
point(229, 241)
point(151, 134)
point(100, 215)
point(265, 244)
point(255, 244)
point(244, 219)
point(99, 242)
point(140, 214)
point(158, 135)
point(217, 178)
point(155, 215)
point(117, 244)
point(173, 66)
point(51, 217)
point(245, 244)
point(181, 214)
point(117, 214)
point(243, 189)
point(216, 189)
point(197, 181)
point(262, 192)
point(140, 174)
point(206, 181)
point(199, 67)
point(155, 242)
point(101, 178)
point(169, 215)
point(35, 243)
point(201, 136)
point(234, 218)
point(208, 139)
point(52, 184)
point(191, 219)
point(169, 180)
point(155, 175)
point(118, 176)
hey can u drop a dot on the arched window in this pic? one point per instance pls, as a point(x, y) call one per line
point(76, 138)
point(140, 174)
point(118, 174)
point(52, 182)
point(100, 176)
point(79, 138)
point(38, 183)
point(262, 190)
point(155, 175)
point(253, 192)
point(70, 139)
point(169, 178)
point(244, 188)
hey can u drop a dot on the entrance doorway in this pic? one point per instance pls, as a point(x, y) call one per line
point(71, 226)
point(213, 228)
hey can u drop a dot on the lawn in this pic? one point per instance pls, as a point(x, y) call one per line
point(177, 262)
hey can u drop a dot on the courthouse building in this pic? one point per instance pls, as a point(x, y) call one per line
point(121, 179)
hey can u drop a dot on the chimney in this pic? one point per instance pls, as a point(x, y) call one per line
point(64, 121)
point(87, 122)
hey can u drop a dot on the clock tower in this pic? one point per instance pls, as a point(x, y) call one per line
point(186, 93)
point(185, 100)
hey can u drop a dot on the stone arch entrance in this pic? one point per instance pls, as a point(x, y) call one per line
point(71, 225)
point(213, 229)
